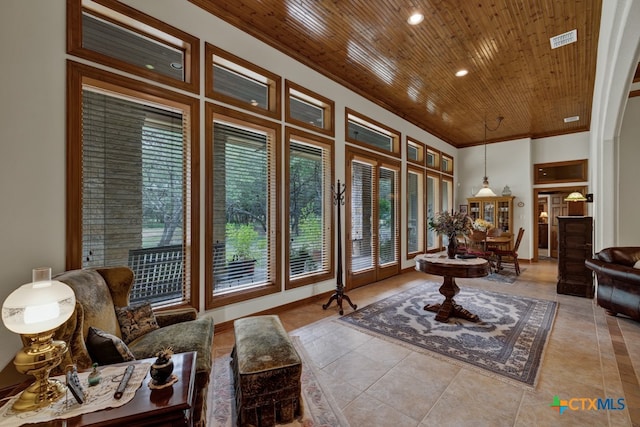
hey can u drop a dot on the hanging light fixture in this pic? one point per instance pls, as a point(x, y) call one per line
point(486, 191)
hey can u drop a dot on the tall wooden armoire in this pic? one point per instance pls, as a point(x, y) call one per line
point(575, 245)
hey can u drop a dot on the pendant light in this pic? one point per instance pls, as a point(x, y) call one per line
point(486, 191)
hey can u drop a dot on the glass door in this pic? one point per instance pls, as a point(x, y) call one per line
point(372, 226)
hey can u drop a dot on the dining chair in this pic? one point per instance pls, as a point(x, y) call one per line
point(510, 256)
point(478, 246)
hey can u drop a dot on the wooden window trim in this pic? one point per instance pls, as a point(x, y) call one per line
point(312, 278)
point(584, 163)
point(80, 74)
point(394, 134)
point(135, 20)
point(422, 148)
point(219, 300)
point(274, 83)
point(326, 104)
point(438, 154)
point(450, 158)
point(421, 172)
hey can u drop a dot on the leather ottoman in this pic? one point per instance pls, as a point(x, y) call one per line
point(266, 369)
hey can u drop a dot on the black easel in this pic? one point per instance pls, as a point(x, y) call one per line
point(339, 295)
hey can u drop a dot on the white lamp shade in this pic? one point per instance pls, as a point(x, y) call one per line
point(486, 192)
point(38, 307)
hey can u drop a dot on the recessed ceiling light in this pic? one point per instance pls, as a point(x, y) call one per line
point(150, 67)
point(571, 119)
point(462, 72)
point(415, 18)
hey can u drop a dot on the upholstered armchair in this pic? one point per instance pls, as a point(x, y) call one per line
point(99, 291)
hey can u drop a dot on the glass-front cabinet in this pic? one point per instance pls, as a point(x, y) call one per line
point(497, 210)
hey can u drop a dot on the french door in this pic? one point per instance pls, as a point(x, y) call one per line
point(372, 218)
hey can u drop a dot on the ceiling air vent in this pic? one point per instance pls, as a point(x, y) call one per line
point(571, 119)
point(564, 39)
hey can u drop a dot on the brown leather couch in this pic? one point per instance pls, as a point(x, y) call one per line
point(618, 280)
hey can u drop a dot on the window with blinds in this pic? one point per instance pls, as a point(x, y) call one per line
point(433, 207)
point(310, 208)
point(368, 133)
point(387, 216)
point(308, 109)
point(361, 216)
point(415, 211)
point(244, 206)
point(135, 192)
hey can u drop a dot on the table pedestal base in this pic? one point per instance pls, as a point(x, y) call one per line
point(449, 308)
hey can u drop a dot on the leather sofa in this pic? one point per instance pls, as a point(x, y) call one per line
point(618, 280)
point(98, 291)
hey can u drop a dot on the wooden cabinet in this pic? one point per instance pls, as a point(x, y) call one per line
point(496, 210)
point(575, 245)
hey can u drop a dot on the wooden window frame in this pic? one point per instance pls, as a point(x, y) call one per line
point(448, 171)
point(437, 154)
point(373, 125)
point(421, 161)
point(273, 82)
point(584, 163)
point(137, 22)
point(316, 99)
point(422, 218)
point(77, 76)
point(212, 299)
point(329, 145)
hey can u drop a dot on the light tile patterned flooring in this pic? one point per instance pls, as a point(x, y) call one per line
point(377, 383)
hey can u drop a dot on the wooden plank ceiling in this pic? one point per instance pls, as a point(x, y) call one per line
point(368, 46)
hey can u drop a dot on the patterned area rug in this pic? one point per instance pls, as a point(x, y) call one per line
point(508, 341)
point(506, 275)
point(320, 409)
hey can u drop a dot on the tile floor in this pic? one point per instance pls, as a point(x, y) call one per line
point(377, 383)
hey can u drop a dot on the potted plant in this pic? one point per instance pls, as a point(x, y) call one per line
point(242, 262)
point(451, 224)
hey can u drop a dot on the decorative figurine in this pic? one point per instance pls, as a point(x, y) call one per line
point(162, 368)
point(506, 191)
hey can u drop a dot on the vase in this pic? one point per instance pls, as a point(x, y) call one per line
point(161, 370)
point(452, 247)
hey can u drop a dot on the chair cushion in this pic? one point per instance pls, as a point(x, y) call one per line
point(136, 320)
point(106, 349)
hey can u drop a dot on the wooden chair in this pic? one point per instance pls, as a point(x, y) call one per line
point(510, 256)
point(477, 245)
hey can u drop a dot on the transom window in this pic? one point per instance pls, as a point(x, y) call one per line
point(368, 133)
point(415, 152)
point(233, 80)
point(116, 35)
point(308, 109)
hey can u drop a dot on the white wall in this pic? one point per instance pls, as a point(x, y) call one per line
point(629, 176)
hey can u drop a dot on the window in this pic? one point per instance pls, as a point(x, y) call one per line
point(433, 159)
point(447, 164)
point(129, 187)
point(118, 36)
point(242, 205)
point(368, 133)
point(233, 80)
point(571, 171)
point(309, 110)
point(310, 204)
point(433, 207)
point(415, 211)
point(415, 152)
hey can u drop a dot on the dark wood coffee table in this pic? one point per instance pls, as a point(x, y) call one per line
point(170, 406)
point(440, 265)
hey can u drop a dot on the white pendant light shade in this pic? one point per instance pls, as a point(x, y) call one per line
point(486, 192)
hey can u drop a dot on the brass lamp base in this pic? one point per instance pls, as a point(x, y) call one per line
point(38, 358)
point(39, 395)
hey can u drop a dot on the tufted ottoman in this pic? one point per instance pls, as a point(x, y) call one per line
point(266, 371)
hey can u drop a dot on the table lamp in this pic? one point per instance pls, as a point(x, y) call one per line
point(543, 217)
point(34, 311)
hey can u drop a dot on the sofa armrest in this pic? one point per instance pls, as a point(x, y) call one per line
point(177, 315)
point(615, 272)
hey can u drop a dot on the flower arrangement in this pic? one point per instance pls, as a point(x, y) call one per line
point(482, 225)
point(451, 223)
point(165, 354)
